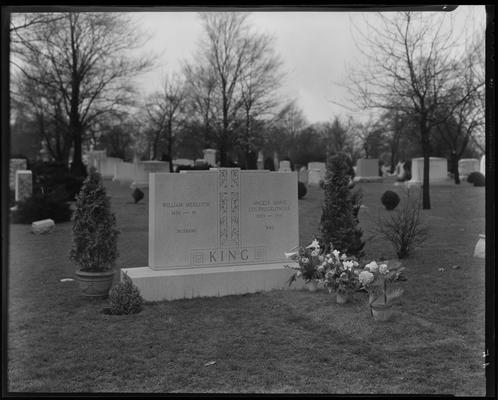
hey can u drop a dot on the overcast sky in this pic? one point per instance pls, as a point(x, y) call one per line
point(315, 48)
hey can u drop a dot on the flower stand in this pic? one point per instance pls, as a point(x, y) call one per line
point(381, 312)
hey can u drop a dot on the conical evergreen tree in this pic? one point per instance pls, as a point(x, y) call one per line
point(94, 227)
point(338, 224)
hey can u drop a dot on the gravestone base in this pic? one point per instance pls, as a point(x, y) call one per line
point(186, 283)
point(368, 179)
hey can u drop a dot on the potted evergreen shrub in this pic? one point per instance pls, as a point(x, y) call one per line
point(94, 247)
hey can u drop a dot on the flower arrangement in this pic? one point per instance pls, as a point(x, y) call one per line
point(309, 261)
point(341, 273)
point(374, 279)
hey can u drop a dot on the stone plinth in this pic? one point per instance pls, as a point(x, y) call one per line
point(209, 282)
point(367, 170)
point(468, 165)
point(438, 170)
point(24, 185)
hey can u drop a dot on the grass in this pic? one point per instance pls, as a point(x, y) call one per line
point(273, 342)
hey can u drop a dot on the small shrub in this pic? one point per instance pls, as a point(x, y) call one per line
point(40, 207)
point(137, 195)
point(301, 190)
point(94, 247)
point(125, 298)
point(390, 199)
point(268, 164)
point(477, 179)
point(403, 227)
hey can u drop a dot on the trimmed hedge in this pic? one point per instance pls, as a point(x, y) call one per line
point(390, 200)
point(477, 179)
point(301, 190)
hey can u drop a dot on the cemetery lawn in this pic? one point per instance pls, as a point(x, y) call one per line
point(289, 341)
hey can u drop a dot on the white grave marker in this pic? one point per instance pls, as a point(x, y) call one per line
point(24, 185)
point(438, 170)
point(468, 165)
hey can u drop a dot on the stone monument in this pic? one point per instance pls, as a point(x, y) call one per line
point(285, 166)
point(438, 170)
point(210, 156)
point(144, 168)
point(367, 170)
point(218, 232)
point(24, 184)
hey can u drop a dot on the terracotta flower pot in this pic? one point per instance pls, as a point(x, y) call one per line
point(381, 312)
point(342, 298)
point(312, 285)
point(95, 284)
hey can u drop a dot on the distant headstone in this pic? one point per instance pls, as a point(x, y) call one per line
point(106, 166)
point(144, 168)
point(16, 164)
point(93, 157)
point(124, 172)
point(183, 162)
point(260, 161)
point(367, 170)
point(480, 249)
point(285, 166)
point(438, 170)
point(482, 165)
point(303, 175)
point(210, 156)
point(219, 232)
point(24, 185)
point(316, 172)
point(399, 171)
point(468, 165)
point(42, 226)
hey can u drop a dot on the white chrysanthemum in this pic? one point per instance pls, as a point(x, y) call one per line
point(315, 252)
point(365, 278)
point(336, 253)
point(348, 265)
point(383, 269)
point(313, 245)
point(305, 260)
point(344, 256)
point(321, 258)
point(372, 266)
point(320, 267)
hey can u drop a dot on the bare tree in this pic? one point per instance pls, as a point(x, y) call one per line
point(240, 73)
point(467, 116)
point(82, 57)
point(412, 63)
point(164, 110)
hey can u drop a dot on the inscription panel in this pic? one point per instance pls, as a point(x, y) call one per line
point(221, 217)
